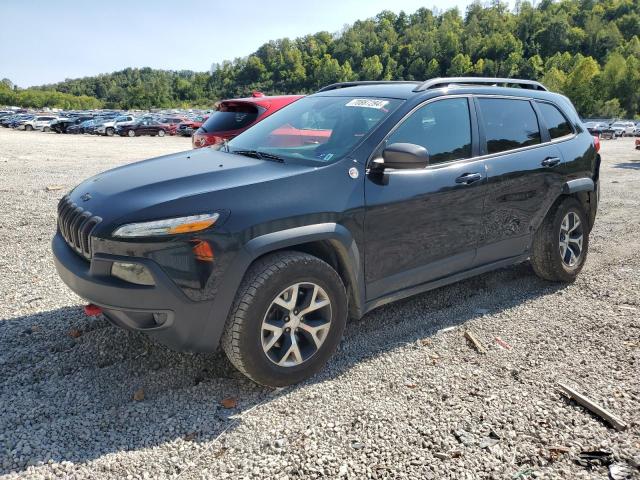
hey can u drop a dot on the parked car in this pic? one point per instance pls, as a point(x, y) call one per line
point(623, 128)
point(171, 124)
point(232, 117)
point(268, 248)
point(39, 122)
point(63, 124)
point(108, 127)
point(637, 130)
point(600, 129)
point(187, 127)
point(19, 121)
point(143, 127)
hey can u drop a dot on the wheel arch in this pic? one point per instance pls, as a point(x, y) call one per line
point(330, 242)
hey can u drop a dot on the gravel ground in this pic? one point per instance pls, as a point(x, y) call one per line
point(401, 399)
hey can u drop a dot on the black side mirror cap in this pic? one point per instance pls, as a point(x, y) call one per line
point(405, 155)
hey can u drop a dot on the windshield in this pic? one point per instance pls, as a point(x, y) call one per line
point(231, 117)
point(315, 128)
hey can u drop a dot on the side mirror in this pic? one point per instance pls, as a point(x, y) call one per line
point(405, 155)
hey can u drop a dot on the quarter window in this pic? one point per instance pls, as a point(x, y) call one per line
point(509, 124)
point(442, 127)
point(556, 122)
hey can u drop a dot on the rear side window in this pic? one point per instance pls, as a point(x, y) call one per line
point(231, 117)
point(556, 122)
point(442, 127)
point(509, 124)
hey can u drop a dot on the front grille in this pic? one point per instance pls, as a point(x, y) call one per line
point(75, 225)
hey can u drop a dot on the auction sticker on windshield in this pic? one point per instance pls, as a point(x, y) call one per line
point(367, 103)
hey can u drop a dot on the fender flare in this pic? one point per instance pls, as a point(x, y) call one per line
point(342, 243)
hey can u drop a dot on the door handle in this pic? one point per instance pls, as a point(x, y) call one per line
point(469, 178)
point(550, 162)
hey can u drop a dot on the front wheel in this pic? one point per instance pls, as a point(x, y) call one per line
point(131, 133)
point(161, 133)
point(28, 128)
point(561, 243)
point(109, 132)
point(287, 320)
point(46, 129)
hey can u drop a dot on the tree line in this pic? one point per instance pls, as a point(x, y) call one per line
point(586, 49)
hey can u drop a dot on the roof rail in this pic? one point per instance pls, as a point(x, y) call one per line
point(336, 86)
point(490, 81)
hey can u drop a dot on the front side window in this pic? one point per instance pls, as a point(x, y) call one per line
point(556, 122)
point(509, 124)
point(315, 128)
point(442, 127)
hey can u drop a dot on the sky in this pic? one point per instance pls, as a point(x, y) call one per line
point(46, 41)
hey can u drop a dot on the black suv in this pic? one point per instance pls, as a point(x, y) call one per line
point(358, 195)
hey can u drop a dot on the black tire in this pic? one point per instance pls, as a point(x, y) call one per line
point(131, 133)
point(109, 132)
point(264, 281)
point(46, 129)
point(28, 128)
point(546, 258)
point(161, 133)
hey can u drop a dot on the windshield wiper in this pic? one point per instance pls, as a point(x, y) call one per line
point(259, 155)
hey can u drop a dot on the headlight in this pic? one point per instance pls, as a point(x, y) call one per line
point(170, 226)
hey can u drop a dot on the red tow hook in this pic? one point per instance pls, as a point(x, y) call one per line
point(92, 310)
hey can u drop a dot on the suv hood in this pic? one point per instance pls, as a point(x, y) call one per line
point(179, 184)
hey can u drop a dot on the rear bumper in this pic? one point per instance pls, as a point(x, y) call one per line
point(162, 311)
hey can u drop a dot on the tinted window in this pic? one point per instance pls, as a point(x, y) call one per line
point(442, 127)
point(509, 124)
point(556, 122)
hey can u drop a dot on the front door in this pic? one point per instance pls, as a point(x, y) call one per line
point(424, 224)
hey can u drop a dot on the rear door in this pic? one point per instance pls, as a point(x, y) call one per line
point(424, 224)
point(524, 175)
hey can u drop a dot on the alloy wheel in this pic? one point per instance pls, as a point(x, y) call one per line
point(571, 237)
point(296, 324)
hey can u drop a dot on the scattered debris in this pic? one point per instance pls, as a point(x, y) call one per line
point(229, 402)
point(425, 342)
point(600, 411)
point(357, 445)
point(54, 188)
point(503, 344)
point(138, 395)
point(464, 437)
point(441, 456)
point(558, 450)
point(410, 384)
point(75, 333)
point(474, 340)
point(523, 473)
point(455, 453)
point(490, 440)
point(595, 458)
point(280, 442)
point(627, 307)
point(445, 330)
point(620, 471)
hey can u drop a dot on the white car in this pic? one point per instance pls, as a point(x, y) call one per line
point(623, 128)
point(42, 122)
point(108, 128)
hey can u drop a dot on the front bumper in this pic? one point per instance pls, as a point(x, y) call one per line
point(187, 325)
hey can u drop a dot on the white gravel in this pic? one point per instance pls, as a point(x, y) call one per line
point(400, 399)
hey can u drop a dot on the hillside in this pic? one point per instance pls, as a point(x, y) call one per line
point(587, 49)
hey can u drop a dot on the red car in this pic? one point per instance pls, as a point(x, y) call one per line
point(171, 124)
point(187, 127)
point(233, 117)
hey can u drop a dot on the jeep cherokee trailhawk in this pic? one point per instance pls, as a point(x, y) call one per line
point(358, 195)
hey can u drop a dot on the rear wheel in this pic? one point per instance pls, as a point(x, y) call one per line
point(287, 320)
point(161, 133)
point(28, 128)
point(561, 243)
point(109, 131)
point(46, 129)
point(131, 133)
